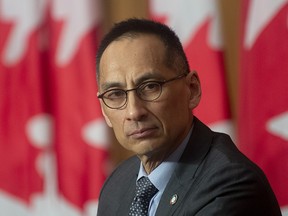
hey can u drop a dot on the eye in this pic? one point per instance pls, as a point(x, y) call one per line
point(150, 87)
point(115, 94)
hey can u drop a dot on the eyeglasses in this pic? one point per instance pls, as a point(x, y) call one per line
point(146, 91)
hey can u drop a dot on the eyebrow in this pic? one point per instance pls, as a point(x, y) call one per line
point(108, 85)
point(147, 76)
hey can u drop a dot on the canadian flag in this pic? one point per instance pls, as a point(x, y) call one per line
point(197, 23)
point(53, 145)
point(263, 105)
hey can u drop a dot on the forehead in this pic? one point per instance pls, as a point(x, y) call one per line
point(129, 58)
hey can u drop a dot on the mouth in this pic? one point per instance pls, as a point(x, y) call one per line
point(142, 133)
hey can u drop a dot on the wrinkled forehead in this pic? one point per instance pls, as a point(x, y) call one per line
point(146, 41)
point(137, 44)
point(131, 56)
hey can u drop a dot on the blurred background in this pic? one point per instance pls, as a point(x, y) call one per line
point(55, 148)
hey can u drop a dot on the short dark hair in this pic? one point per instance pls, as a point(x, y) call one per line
point(175, 55)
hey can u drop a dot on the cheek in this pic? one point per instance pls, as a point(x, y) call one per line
point(114, 120)
point(165, 115)
point(175, 113)
point(119, 132)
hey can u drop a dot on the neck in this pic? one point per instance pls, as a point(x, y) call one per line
point(149, 165)
point(152, 161)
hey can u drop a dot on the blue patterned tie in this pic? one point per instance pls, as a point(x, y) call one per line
point(145, 190)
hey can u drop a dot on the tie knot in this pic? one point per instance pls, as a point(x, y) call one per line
point(145, 188)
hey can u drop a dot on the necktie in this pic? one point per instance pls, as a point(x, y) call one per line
point(145, 190)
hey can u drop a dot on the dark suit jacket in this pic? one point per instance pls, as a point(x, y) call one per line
point(212, 178)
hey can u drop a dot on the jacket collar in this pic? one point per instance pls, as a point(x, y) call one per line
point(186, 171)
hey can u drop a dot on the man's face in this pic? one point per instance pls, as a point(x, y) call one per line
point(147, 128)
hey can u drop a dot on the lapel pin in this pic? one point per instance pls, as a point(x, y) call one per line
point(173, 199)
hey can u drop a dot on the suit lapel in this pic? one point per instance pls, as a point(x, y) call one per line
point(125, 202)
point(129, 190)
point(186, 171)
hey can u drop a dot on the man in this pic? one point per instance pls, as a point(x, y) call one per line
point(147, 93)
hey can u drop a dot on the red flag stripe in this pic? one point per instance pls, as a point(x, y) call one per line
point(263, 104)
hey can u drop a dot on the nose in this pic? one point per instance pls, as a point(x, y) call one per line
point(135, 107)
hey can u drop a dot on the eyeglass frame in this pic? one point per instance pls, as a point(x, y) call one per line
point(160, 83)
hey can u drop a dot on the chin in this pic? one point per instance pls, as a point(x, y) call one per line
point(147, 149)
point(143, 151)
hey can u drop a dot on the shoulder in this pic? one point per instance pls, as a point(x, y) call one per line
point(225, 184)
point(224, 154)
point(222, 178)
point(226, 179)
point(225, 161)
point(218, 149)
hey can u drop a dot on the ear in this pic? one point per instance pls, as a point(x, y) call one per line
point(108, 122)
point(195, 89)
